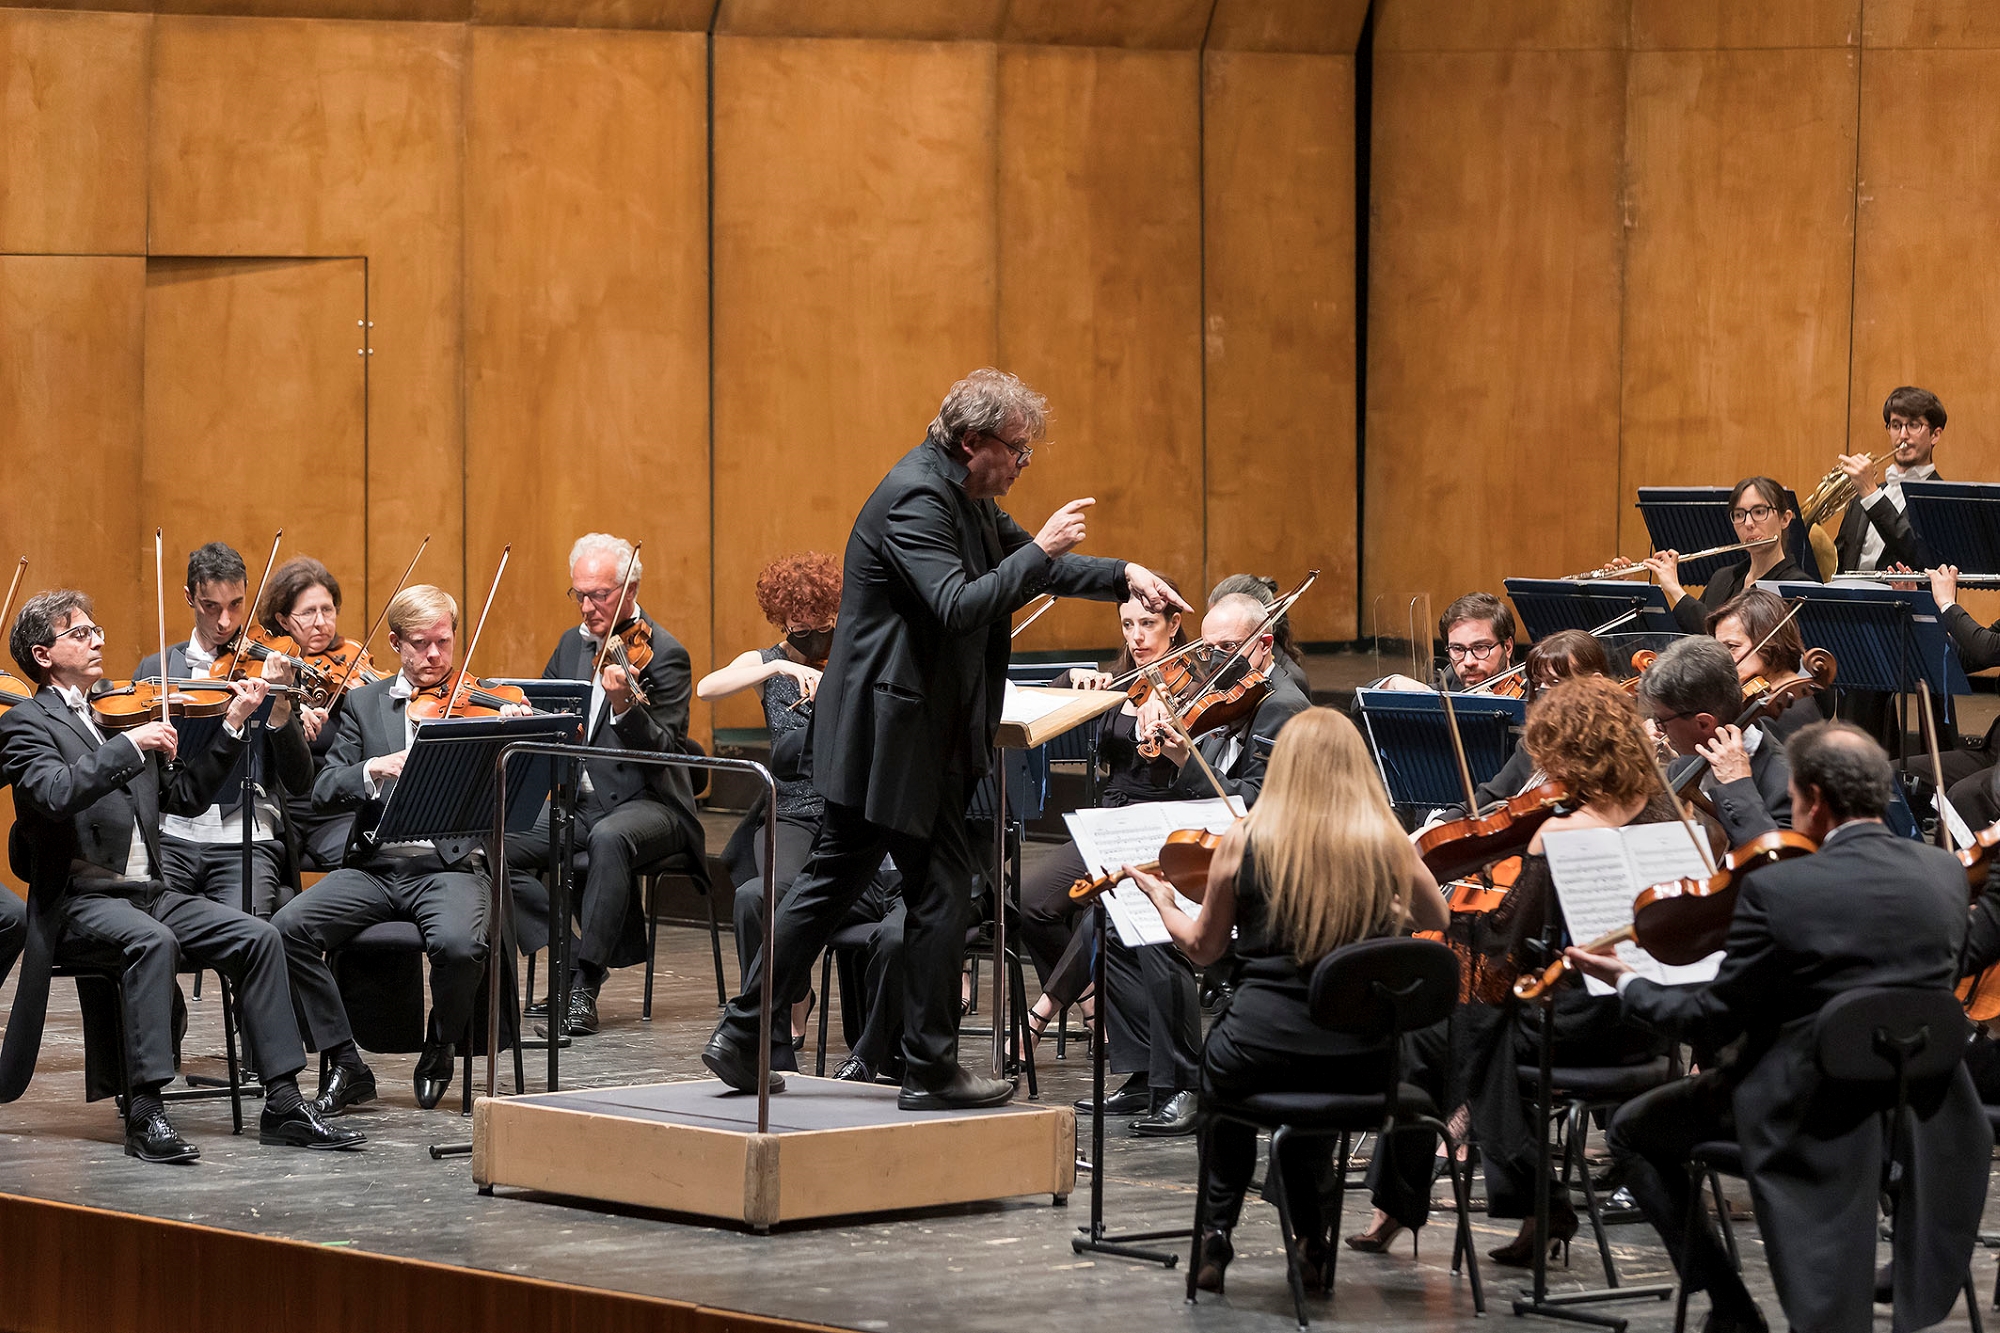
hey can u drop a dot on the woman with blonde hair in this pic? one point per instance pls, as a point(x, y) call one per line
point(1320, 862)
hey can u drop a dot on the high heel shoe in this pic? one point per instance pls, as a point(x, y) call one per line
point(1037, 1023)
point(804, 1022)
point(1377, 1240)
point(1314, 1262)
point(1216, 1252)
point(1520, 1252)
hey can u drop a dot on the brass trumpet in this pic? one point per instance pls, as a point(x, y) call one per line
point(1834, 493)
point(1627, 571)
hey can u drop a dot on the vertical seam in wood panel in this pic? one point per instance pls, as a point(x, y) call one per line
point(1364, 167)
point(1624, 287)
point(367, 528)
point(465, 78)
point(1201, 278)
point(999, 186)
point(1854, 240)
point(709, 193)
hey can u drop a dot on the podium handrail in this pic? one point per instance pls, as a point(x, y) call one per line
point(497, 856)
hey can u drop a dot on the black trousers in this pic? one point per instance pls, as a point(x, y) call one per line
point(13, 932)
point(795, 842)
point(1152, 1019)
point(618, 842)
point(1059, 938)
point(1651, 1136)
point(937, 875)
point(147, 935)
point(214, 870)
point(448, 907)
point(322, 834)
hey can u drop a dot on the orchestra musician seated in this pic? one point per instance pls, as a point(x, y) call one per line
point(1868, 909)
point(1319, 863)
point(1560, 656)
point(1756, 627)
point(627, 815)
point(1691, 695)
point(1286, 651)
point(1478, 633)
point(302, 603)
point(1875, 530)
point(800, 596)
point(1759, 513)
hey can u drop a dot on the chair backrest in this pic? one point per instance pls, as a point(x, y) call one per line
point(1883, 1034)
point(1381, 987)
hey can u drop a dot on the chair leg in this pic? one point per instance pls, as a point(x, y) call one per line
point(1203, 1128)
point(1579, 1140)
point(1332, 1242)
point(1693, 1220)
point(531, 978)
point(1972, 1303)
point(650, 888)
point(1017, 1019)
point(1461, 1193)
point(1274, 1179)
point(825, 1003)
point(465, 1075)
point(229, 1053)
point(1722, 1216)
point(714, 943)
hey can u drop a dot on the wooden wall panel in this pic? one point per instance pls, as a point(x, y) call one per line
point(919, 20)
point(1325, 27)
point(1739, 261)
point(71, 370)
point(1492, 430)
point(72, 133)
point(854, 254)
point(1278, 187)
point(1100, 303)
point(587, 323)
point(1927, 248)
point(1727, 24)
point(1154, 23)
point(672, 15)
point(1930, 23)
point(296, 137)
point(1484, 25)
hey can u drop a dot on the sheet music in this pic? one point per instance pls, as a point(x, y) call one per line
point(1133, 835)
point(1597, 874)
point(1023, 708)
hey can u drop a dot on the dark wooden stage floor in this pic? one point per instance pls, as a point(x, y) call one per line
point(1002, 1266)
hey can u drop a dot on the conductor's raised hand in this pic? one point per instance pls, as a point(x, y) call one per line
point(1064, 530)
point(1152, 591)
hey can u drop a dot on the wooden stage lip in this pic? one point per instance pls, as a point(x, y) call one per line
point(70, 1269)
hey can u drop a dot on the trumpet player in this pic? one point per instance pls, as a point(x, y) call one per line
point(1875, 531)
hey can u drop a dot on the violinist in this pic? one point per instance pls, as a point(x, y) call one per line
point(1236, 753)
point(87, 811)
point(203, 853)
point(1759, 513)
point(1875, 531)
point(302, 603)
point(1564, 655)
point(1868, 909)
point(1478, 632)
point(1285, 649)
point(1755, 617)
point(1692, 696)
point(627, 816)
point(438, 886)
point(800, 596)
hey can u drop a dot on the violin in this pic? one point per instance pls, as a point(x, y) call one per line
point(12, 689)
point(1684, 920)
point(323, 677)
point(631, 648)
point(1183, 862)
point(474, 698)
point(125, 704)
point(1771, 697)
point(1642, 662)
point(1461, 847)
point(1980, 993)
point(1215, 707)
point(1174, 673)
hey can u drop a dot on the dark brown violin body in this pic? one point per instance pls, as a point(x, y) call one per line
point(1461, 847)
point(13, 690)
point(124, 704)
point(1183, 862)
point(1685, 920)
point(474, 698)
point(322, 677)
point(631, 647)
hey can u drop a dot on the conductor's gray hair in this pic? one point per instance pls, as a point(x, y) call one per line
point(603, 543)
point(981, 403)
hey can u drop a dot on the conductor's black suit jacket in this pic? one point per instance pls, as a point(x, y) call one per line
point(915, 681)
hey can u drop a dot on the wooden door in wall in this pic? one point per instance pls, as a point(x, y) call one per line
point(255, 419)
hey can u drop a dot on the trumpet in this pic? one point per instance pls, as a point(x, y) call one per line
point(1627, 571)
point(1922, 576)
point(1834, 493)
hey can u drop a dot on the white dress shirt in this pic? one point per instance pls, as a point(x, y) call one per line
point(138, 865)
point(215, 824)
point(1893, 478)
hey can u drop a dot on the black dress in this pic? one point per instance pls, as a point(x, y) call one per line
point(1693, 613)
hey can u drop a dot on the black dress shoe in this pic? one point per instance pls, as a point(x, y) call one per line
point(153, 1140)
point(302, 1127)
point(734, 1065)
point(582, 1020)
point(433, 1075)
point(1134, 1098)
point(536, 1009)
point(854, 1070)
point(963, 1091)
point(1174, 1118)
point(344, 1087)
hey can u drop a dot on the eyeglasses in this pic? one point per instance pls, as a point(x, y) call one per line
point(1663, 718)
point(83, 633)
point(1754, 514)
point(600, 597)
point(1901, 427)
point(1458, 652)
point(1022, 452)
point(313, 616)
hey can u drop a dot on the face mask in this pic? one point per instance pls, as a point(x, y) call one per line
point(811, 644)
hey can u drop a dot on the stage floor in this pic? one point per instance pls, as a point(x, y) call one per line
point(996, 1266)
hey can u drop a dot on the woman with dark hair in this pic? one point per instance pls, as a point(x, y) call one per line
point(1754, 627)
point(800, 596)
point(302, 602)
point(1758, 512)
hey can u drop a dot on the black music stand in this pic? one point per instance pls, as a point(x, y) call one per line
point(1410, 737)
point(1881, 638)
point(1959, 521)
point(1694, 518)
point(1548, 605)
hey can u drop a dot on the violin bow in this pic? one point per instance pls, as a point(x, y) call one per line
point(1186, 649)
point(340, 686)
point(1180, 729)
point(465, 663)
point(631, 563)
point(1039, 612)
point(160, 606)
point(13, 587)
point(1949, 819)
point(250, 616)
point(1701, 846)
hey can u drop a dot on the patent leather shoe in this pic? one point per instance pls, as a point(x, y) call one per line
point(153, 1140)
point(963, 1091)
point(582, 1020)
point(735, 1065)
point(854, 1070)
point(344, 1087)
point(302, 1127)
point(1134, 1098)
point(1174, 1118)
point(433, 1075)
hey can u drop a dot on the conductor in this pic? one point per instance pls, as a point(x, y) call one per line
point(906, 714)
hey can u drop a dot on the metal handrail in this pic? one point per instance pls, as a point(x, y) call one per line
point(498, 881)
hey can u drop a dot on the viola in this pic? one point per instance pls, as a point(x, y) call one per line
point(1684, 920)
point(1175, 673)
point(1642, 661)
point(1771, 697)
point(1461, 847)
point(13, 690)
point(1183, 862)
point(474, 698)
point(1980, 992)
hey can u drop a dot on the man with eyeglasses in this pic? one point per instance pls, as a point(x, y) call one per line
point(1478, 633)
point(628, 816)
point(203, 853)
point(1875, 531)
point(1691, 696)
point(87, 808)
point(905, 717)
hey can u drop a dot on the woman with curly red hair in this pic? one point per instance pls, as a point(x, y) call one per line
point(800, 595)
